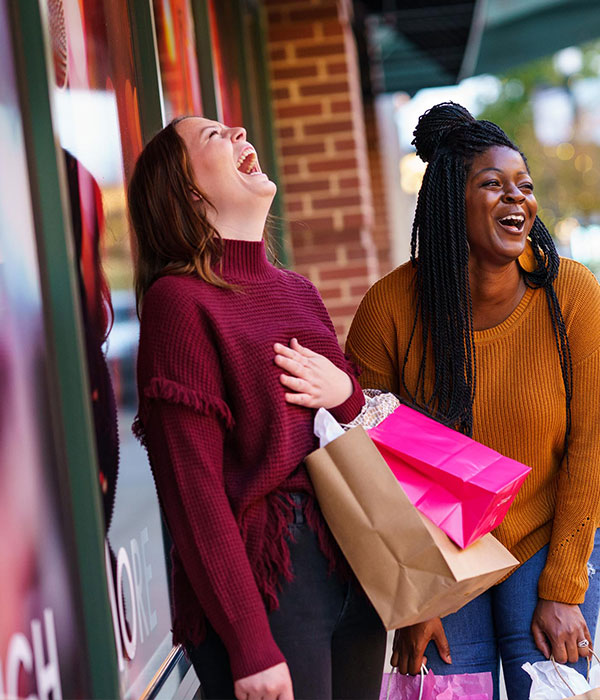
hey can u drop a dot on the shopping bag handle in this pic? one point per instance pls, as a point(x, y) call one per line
point(421, 687)
point(560, 675)
point(564, 680)
point(589, 661)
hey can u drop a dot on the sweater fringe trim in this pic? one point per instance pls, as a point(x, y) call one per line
point(272, 565)
point(189, 630)
point(327, 543)
point(138, 431)
point(172, 392)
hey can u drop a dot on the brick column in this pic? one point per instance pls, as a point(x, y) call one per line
point(381, 229)
point(322, 148)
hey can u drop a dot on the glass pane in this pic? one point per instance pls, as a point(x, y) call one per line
point(177, 55)
point(257, 120)
point(39, 623)
point(97, 122)
point(226, 55)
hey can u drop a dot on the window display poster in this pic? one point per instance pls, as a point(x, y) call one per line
point(42, 652)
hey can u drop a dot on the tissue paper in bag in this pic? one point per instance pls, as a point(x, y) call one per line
point(552, 681)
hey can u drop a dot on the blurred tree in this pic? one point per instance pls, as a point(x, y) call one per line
point(567, 175)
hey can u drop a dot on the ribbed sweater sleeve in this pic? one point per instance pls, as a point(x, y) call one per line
point(188, 451)
point(186, 419)
point(372, 342)
point(577, 511)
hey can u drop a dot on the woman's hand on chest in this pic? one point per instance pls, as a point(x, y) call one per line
point(312, 379)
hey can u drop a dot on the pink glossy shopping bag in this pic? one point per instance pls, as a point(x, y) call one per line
point(428, 686)
point(464, 487)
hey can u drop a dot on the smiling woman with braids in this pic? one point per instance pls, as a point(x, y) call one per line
point(490, 332)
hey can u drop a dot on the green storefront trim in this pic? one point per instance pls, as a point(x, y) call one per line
point(72, 410)
point(204, 56)
point(146, 66)
point(72, 415)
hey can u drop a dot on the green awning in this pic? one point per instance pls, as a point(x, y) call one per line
point(516, 32)
point(413, 45)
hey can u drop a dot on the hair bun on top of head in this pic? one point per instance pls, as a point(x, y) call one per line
point(435, 124)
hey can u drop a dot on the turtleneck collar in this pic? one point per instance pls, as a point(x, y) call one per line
point(245, 261)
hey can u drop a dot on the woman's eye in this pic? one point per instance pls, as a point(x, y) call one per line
point(491, 182)
point(212, 133)
point(527, 186)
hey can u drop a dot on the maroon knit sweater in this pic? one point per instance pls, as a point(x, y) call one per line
point(225, 447)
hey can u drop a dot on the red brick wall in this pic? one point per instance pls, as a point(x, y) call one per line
point(322, 147)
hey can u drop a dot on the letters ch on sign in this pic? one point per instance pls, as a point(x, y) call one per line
point(141, 619)
point(43, 664)
point(38, 657)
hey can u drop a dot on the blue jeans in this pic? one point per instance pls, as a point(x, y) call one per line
point(497, 625)
point(328, 631)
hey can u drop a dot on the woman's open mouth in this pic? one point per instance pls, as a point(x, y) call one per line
point(247, 163)
point(513, 223)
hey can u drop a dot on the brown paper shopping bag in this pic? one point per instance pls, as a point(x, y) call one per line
point(408, 567)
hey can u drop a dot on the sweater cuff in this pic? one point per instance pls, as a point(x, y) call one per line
point(348, 410)
point(564, 579)
point(251, 647)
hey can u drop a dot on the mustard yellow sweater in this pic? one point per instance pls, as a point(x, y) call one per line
point(519, 410)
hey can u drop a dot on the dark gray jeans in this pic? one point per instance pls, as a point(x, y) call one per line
point(331, 637)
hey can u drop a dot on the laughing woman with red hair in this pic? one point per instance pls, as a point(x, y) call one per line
point(260, 589)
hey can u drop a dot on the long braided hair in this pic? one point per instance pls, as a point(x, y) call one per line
point(448, 138)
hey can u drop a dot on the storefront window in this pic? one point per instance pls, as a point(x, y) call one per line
point(97, 122)
point(242, 87)
point(177, 54)
point(223, 26)
point(41, 648)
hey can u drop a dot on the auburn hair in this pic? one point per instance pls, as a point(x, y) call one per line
point(168, 215)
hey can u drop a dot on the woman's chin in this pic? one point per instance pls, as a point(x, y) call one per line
point(512, 248)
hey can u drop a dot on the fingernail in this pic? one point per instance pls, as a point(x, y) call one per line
point(449, 658)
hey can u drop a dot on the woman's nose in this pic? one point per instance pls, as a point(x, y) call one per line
point(238, 133)
point(513, 194)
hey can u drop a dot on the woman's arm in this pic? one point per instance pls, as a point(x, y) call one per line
point(558, 623)
point(410, 644)
point(372, 342)
point(186, 452)
point(186, 420)
point(557, 628)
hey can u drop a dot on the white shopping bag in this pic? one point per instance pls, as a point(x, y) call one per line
point(552, 681)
